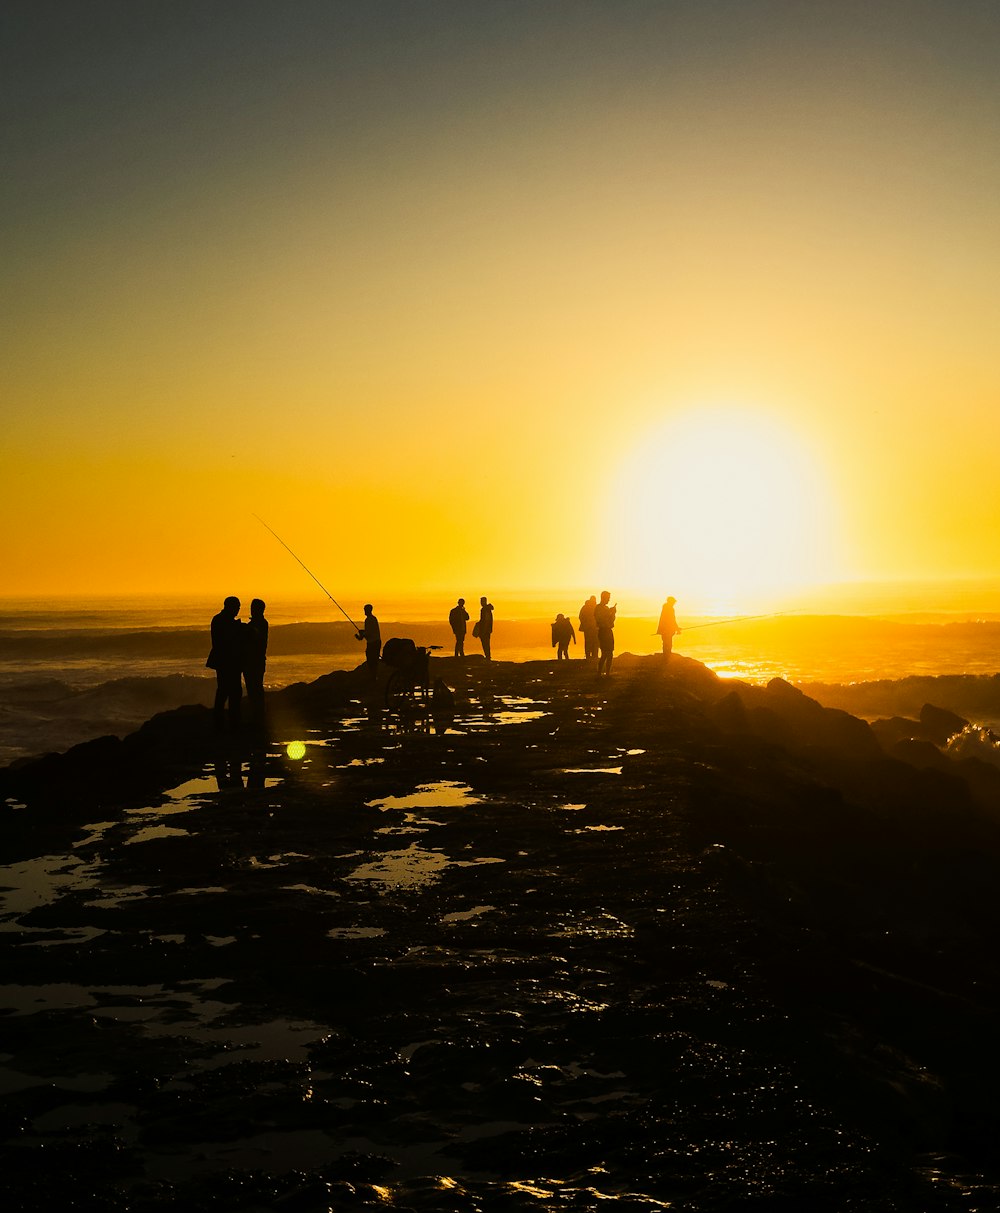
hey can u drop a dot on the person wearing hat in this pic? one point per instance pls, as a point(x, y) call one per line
point(667, 628)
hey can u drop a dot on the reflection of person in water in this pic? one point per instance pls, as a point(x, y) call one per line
point(485, 625)
point(255, 656)
point(226, 658)
point(458, 618)
point(371, 634)
point(667, 628)
point(588, 626)
point(562, 634)
point(605, 618)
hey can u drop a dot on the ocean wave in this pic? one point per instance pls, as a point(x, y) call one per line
point(975, 741)
point(44, 715)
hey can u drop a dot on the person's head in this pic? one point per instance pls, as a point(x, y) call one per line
point(592, 599)
point(605, 597)
point(257, 607)
point(368, 608)
point(231, 606)
point(482, 601)
point(461, 602)
point(558, 617)
point(671, 601)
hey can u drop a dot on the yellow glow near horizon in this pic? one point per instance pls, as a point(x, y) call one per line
point(295, 750)
point(722, 507)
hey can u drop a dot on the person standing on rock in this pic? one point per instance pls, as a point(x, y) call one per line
point(458, 618)
point(255, 657)
point(588, 626)
point(667, 628)
point(562, 633)
point(371, 634)
point(484, 628)
point(226, 658)
point(604, 616)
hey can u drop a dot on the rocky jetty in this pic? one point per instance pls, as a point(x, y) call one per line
point(544, 941)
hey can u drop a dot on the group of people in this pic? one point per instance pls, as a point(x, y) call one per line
point(238, 655)
point(239, 650)
point(482, 630)
point(597, 624)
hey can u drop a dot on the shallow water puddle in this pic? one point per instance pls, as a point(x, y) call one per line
point(590, 771)
point(38, 882)
point(412, 868)
point(466, 915)
point(488, 711)
point(445, 794)
point(150, 833)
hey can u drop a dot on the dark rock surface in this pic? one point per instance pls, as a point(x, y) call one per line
point(658, 938)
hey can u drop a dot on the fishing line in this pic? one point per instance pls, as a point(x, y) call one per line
point(310, 572)
point(737, 619)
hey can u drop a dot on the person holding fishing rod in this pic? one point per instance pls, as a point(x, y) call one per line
point(667, 628)
point(371, 634)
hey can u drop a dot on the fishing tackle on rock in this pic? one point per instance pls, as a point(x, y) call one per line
point(310, 572)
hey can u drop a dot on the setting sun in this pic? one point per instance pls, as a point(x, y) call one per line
point(720, 505)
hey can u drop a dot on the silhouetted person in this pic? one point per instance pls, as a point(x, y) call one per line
point(605, 617)
point(255, 657)
point(458, 618)
point(562, 633)
point(372, 636)
point(484, 628)
point(667, 628)
point(588, 626)
point(226, 658)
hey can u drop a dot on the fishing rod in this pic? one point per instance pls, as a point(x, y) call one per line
point(310, 572)
point(737, 619)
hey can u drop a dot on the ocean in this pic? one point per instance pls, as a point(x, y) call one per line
point(80, 669)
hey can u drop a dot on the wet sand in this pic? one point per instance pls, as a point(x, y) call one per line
point(657, 938)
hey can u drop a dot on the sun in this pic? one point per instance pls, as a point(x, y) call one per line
point(721, 507)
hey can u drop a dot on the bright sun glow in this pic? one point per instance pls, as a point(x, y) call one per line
point(295, 750)
point(720, 508)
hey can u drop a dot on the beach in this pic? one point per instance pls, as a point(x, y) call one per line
point(664, 938)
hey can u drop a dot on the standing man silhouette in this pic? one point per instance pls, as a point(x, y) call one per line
point(458, 618)
point(605, 617)
point(371, 634)
point(667, 628)
point(485, 625)
point(226, 658)
point(588, 626)
point(255, 658)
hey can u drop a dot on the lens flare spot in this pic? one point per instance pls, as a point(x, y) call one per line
point(296, 750)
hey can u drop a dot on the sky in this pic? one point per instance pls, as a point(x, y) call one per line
point(696, 298)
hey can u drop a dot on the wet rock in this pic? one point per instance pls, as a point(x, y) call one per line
point(938, 724)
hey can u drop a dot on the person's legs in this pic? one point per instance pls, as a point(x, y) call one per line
point(221, 694)
point(234, 694)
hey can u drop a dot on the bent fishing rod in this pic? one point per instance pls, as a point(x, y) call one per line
point(310, 572)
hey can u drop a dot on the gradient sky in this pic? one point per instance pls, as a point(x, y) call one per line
point(497, 293)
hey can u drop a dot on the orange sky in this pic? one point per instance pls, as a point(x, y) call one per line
point(441, 290)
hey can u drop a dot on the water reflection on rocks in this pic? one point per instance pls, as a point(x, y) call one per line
point(629, 952)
